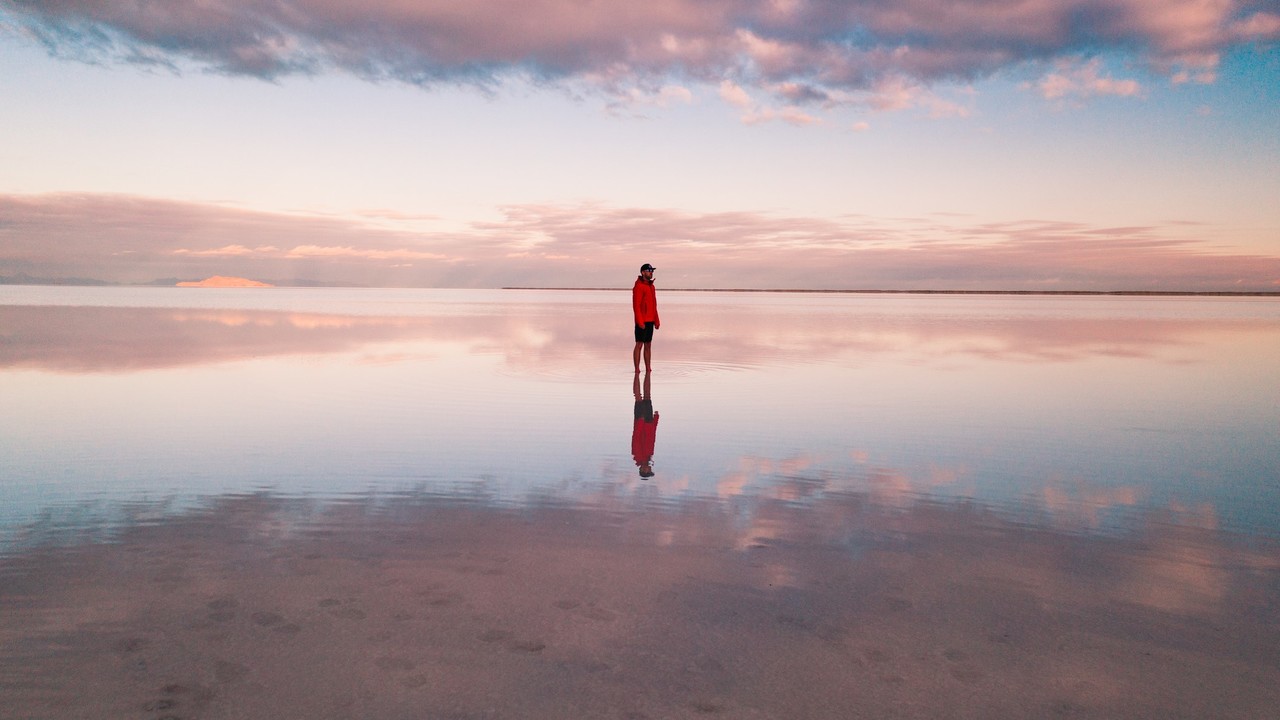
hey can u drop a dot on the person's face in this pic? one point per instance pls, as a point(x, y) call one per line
point(648, 274)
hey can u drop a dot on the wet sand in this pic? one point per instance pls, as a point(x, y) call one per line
point(417, 607)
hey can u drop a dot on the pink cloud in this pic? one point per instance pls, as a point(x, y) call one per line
point(228, 251)
point(551, 344)
point(754, 113)
point(733, 94)
point(129, 239)
point(901, 93)
point(303, 251)
point(1082, 80)
point(632, 51)
point(789, 115)
point(1259, 26)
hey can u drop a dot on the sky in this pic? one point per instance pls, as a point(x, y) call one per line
point(800, 144)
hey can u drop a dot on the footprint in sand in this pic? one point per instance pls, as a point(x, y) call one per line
point(962, 670)
point(598, 613)
point(897, 604)
point(175, 696)
point(267, 619)
point(438, 598)
point(878, 655)
point(707, 707)
point(223, 609)
point(161, 704)
point(131, 645)
point(528, 646)
point(348, 613)
point(967, 675)
point(414, 682)
point(491, 636)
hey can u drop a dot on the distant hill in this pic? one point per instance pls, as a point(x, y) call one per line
point(219, 281)
point(25, 279)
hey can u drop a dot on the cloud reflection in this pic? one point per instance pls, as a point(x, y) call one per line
point(539, 338)
point(97, 339)
point(456, 606)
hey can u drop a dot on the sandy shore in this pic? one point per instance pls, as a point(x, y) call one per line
point(263, 608)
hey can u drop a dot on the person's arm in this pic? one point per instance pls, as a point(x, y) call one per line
point(636, 301)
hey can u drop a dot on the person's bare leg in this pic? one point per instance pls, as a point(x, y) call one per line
point(635, 357)
point(647, 348)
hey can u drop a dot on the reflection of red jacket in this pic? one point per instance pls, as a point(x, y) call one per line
point(644, 301)
point(643, 436)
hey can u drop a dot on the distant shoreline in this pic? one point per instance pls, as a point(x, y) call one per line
point(81, 282)
point(1142, 293)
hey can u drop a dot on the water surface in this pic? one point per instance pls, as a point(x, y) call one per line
point(347, 503)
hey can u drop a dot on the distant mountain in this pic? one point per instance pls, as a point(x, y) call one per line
point(25, 279)
point(220, 281)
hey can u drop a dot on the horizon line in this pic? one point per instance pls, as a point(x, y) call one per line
point(22, 279)
point(1225, 293)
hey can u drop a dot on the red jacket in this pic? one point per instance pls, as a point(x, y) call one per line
point(644, 302)
point(643, 436)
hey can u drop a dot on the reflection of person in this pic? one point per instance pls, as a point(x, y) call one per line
point(645, 431)
point(644, 305)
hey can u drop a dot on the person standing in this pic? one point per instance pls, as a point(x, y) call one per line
point(644, 305)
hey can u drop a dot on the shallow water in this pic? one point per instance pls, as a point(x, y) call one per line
point(349, 503)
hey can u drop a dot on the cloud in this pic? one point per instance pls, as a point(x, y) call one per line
point(789, 115)
point(303, 251)
point(227, 251)
point(1261, 26)
point(733, 94)
point(1078, 80)
point(130, 239)
point(901, 93)
point(754, 113)
point(312, 251)
point(647, 51)
point(133, 239)
point(549, 344)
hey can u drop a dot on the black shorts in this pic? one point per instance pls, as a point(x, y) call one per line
point(644, 334)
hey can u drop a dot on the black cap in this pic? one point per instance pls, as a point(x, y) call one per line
point(647, 266)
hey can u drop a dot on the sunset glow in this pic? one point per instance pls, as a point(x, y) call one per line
point(799, 144)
